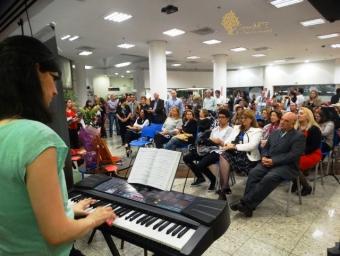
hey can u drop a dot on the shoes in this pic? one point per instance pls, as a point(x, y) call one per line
point(212, 186)
point(294, 187)
point(239, 206)
point(198, 182)
point(224, 191)
point(306, 191)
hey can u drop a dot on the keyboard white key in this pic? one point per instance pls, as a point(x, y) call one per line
point(155, 235)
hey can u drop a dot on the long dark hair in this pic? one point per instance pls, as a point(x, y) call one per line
point(21, 94)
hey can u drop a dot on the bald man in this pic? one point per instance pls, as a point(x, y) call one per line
point(280, 161)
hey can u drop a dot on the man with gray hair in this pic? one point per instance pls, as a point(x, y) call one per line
point(280, 162)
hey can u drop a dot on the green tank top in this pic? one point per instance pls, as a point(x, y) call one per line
point(22, 141)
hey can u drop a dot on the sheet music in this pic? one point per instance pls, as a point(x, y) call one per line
point(155, 167)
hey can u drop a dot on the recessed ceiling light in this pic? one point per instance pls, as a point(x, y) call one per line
point(123, 64)
point(238, 49)
point(328, 36)
point(176, 65)
point(168, 52)
point(259, 55)
point(279, 61)
point(283, 3)
point(85, 53)
point(335, 45)
point(212, 41)
point(65, 37)
point(73, 38)
point(122, 76)
point(241, 67)
point(73, 66)
point(126, 46)
point(306, 61)
point(193, 57)
point(314, 22)
point(118, 17)
point(173, 32)
point(128, 71)
point(88, 67)
point(116, 74)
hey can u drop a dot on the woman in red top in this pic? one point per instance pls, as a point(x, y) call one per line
point(72, 120)
point(309, 127)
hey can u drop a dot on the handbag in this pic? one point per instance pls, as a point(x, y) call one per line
point(183, 136)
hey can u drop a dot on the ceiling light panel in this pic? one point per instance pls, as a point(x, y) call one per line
point(259, 55)
point(118, 17)
point(238, 49)
point(328, 36)
point(284, 3)
point(123, 64)
point(126, 46)
point(176, 65)
point(65, 37)
point(85, 53)
point(213, 41)
point(174, 32)
point(279, 61)
point(168, 52)
point(193, 57)
point(335, 45)
point(88, 67)
point(314, 22)
point(73, 38)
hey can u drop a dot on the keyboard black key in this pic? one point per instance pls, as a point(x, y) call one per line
point(131, 215)
point(146, 220)
point(136, 216)
point(124, 213)
point(176, 231)
point(164, 226)
point(141, 219)
point(172, 229)
point(158, 224)
point(120, 210)
point(151, 221)
point(182, 232)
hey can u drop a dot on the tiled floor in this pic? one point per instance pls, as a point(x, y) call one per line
point(310, 229)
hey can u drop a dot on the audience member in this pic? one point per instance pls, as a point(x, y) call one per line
point(124, 118)
point(209, 102)
point(241, 150)
point(156, 110)
point(275, 117)
point(170, 128)
point(173, 101)
point(207, 151)
point(312, 153)
point(187, 133)
point(279, 163)
point(72, 121)
point(112, 105)
point(313, 100)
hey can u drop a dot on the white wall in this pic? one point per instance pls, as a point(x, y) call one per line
point(337, 72)
point(245, 77)
point(101, 83)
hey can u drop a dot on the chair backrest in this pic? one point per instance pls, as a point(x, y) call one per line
point(103, 153)
point(151, 130)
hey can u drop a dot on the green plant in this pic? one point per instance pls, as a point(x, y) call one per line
point(89, 115)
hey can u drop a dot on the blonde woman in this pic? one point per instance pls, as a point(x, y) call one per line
point(312, 155)
point(241, 150)
point(170, 127)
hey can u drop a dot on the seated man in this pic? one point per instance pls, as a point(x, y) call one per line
point(280, 161)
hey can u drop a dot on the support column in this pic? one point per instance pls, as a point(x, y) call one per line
point(80, 83)
point(138, 82)
point(157, 68)
point(220, 73)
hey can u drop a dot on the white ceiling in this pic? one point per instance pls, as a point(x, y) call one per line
point(287, 39)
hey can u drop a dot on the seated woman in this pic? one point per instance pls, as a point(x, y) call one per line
point(309, 127)
point(241, 150)
point(236, 119)
point(217, 137)
point(275, 117)
point(133, 132)
point(204, 124)
point(187, 133)
point(170, 128)
point(323, 118)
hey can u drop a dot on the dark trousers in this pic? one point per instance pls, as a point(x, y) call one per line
point(123, 131)
point(160, 140)
point(74, 139)
point(131, 135)
point(262, 181)
point(202, 165)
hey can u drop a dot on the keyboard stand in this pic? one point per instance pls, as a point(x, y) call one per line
point(108, 240)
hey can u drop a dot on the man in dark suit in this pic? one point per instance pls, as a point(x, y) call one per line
point(280, 161)
point(157, 111)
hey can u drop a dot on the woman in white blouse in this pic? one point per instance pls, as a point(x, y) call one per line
point(241, 150)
